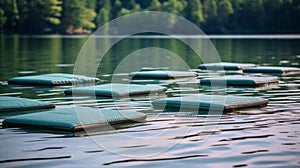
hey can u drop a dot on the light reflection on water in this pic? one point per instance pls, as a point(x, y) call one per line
point(267, 136)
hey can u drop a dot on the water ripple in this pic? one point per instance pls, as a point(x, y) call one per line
point(33, 159)
point(155, 159)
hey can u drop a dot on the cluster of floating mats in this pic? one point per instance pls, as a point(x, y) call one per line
point(116, 90)
point(8, 104)
point(210, 102)
point(239, 80)
point(74, 119)
point(78, 118)
point(52, 79)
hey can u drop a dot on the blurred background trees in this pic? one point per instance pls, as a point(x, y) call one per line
point(212, 16)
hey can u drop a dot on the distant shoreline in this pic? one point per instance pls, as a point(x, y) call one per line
point(251, 36)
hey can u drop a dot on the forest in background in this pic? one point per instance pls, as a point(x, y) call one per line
point(212, 16)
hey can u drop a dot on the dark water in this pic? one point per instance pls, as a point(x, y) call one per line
point(265, 137)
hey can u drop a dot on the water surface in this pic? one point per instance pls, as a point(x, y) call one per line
point(267, 136)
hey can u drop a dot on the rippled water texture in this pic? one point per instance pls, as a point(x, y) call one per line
point(268, 136)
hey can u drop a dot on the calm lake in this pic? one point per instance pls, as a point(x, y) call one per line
point(257, 137)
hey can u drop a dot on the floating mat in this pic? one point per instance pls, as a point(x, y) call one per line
point(116, 90)
point(213, 102)
point(8, 104)
point(146, 81)
point(154, 68)
point(273, 70)
point(239, 88)
point(74, 119)
point(225, 66)
point(159, 74)
point(238, 80)
point(52, 79)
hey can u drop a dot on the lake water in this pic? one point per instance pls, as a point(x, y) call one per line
point(257, 137)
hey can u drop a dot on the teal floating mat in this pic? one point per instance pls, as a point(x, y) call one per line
point(160, 74)
point(74, 118)
point(239, 80)
point(52, 79)
point(210, 102)
point(225, 66)
point(273, 70)
point(8, 104)
point(146, 81)
point(116, 90)
point(154, 68)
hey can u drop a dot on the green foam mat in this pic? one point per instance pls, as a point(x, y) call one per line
point(210, 102)
point(52, 79)
point(116, 90)
point(8, 104)
point(159, 74)
point(154, 68)
point(74, 118)
point(239, 80)
point(273, 70)
point(225, 66)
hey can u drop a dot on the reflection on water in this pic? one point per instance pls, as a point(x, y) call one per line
point(267, 136)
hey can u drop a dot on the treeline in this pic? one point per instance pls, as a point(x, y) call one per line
point(212, 16)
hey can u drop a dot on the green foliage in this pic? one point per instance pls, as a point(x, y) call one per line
point(87, 18)
point(44, 12)
point(174, 6)
point(272, 12)
point(72, 14)
point(116, 7)
point(91, 4)
point(213, 16)
point(130, 7)
point(123, 11)
point(10, 14)
point(2, 18)
point(194, 11)
point(155, 5)
point(210, 9)
point(253, 15)
point(103, 15)
point(52, 11)
point(225, 10)
point(77, 16)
